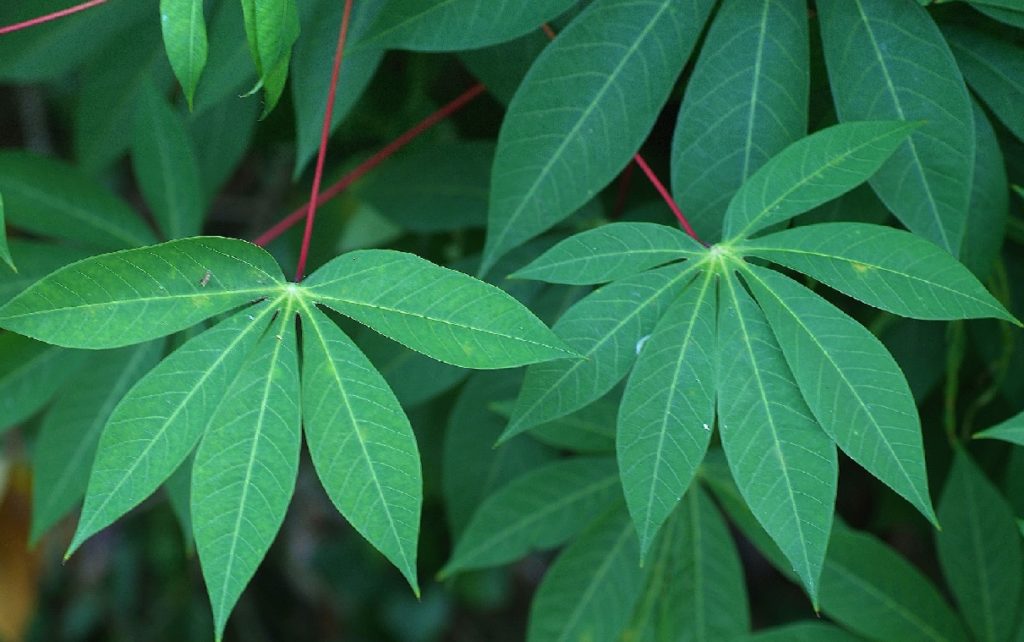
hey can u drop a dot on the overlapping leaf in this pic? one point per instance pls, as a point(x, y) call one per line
point(30, 373)
point(1011, 430)
point(994, 67)
point(990, 200)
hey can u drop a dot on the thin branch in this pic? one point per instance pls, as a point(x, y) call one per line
point(50, 16)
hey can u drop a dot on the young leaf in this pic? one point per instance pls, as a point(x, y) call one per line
point(609, 253)
point(850, 382)
point(887, 60)
point(980, 551)
point(993, 67)
point(271, 27)
point(55, 199)
point(446, 315)
point(71, 430)
point(158, 423)
point(5, 251)
point(1011, 430)
point(589, 592)
point(165, 166)
point(784, 465)
point(605, 328)
point(184, 30)
point(668, 409)
point(452, 25)
point(810, 172)
point(361, 442)
point(131, 296)
point(884, 267)
point(874, 592)
point(540, 510)
point(746, 101)
point(583, 110)
point(245, 467)
point(30, 374)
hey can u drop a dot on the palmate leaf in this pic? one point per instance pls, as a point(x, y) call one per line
point(850, 382)
point(979, 549)
point(130, 296)
point(810, 172)
point(784, 464)
point(539, 510)
point(605, 328)
point(452, 25)
point(246, 465)
point(665, 419)
point(887, 268)
point(589, 592)
point(184, 30)
point(609, 253)
point(361, 442)
point(583, 110)
point(745, 102)
point(888, 60)
point(30, 374)
point(444, 314)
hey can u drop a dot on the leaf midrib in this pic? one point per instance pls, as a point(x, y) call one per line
point(161, 299)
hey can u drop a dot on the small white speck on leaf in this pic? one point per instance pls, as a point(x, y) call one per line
point(707, 427)
point(641, 342)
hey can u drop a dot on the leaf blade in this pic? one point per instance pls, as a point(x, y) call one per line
point(184, 30)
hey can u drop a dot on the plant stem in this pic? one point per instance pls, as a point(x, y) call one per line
point(325, 133)
point(50, 16)
point(383, 154)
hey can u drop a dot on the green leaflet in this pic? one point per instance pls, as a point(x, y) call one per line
point(1013, 17)
point(472, 468)
point(990, 200)
point(874, 592)
point(413, 377)
point(979, 549)
point(229, 69)
point(310, 65)
point(746, 101)
point(361, 442)
point(887, 60)
point(451, 25)
point(784, 465)
point(446, 315)
point(158, 423)
point(5, 251)
point(668, 409)
point(605, 328)
point(583, 110)
point(52, 198)
point(184, 30)
point(801, 632)
point(884, 267)
point(178, 489)
point(608, 253)
point(70, 431)
point(591, 429)
point(850, 382)
point(166, 167)
point(245, 467)
point(1011, 430)
point(271, 28)
point(810, 172)
point(993, 67)
point(35, 260)
point(539, 510)
point(589, 592)
point(502, 67)
point(30, 374)
point(135, 295)
point(225, 130)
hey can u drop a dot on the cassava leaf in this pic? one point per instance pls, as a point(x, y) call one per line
point(784, 464)
point(609, 253)
point(665, 419)
point(159, 421)
point(888, 60)
point(606, 329)
point(35, 259)
point(361, 442)
point(990, 200)
point(850, 382)
point(413, 377)
point(452, 25)
point(1011, 430)
point(132, 296)
point(589, 592)
point(184, 30)
point(166, 167)
point(810, 172)
point(225, 131)
point(745, 102)
point(591, 429)
point(979, 550)
point(51, 198)
point(30, 374)
point(884, 267)
point(5, 251)
point(71, 430)
point(245, 467)
point(537, 511)
point(994, 67)
point(583, 110)
point(446, 315)
point(801, 632)
point(271, 28)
